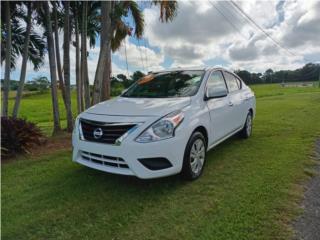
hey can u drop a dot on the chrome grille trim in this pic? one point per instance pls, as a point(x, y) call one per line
point(113, 132)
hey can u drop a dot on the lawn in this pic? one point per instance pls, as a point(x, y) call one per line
point(36, 107)
point(249, 189)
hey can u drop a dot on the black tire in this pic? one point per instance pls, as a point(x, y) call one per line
point(188, 168)
point(247, 128)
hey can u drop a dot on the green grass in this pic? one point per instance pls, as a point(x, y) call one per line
point(248, 189)
point(267, 90)
point(36, 107)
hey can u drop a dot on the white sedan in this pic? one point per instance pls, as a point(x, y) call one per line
point(164, 123)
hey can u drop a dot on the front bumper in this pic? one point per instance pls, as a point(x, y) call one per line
point(124, 159)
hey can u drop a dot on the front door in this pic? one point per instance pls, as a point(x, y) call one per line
point(220, 109)
point(239, 113)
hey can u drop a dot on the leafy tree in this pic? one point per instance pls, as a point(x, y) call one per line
point(137, 75)
point(268, 75)
point(40, 84)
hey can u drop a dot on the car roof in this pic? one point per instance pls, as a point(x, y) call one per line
point(191, 69)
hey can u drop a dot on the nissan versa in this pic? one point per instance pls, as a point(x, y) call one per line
point(164, 123)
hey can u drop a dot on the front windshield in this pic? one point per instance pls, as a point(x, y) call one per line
point(166, 84)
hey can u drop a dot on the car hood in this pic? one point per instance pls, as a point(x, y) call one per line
point(121, 106)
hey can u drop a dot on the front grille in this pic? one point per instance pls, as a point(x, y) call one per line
point(110, 131)
point(104, 160)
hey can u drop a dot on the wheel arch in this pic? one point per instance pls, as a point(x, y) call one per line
point(204, 131)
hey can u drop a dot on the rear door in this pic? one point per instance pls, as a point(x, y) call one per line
point(236, 101)
point(219, 109)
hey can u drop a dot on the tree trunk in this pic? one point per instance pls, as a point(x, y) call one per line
point(66, 65)
point(53, 70)
point(102, 76)
point(105, 94)
point(86, 81)
point(84, 71)
point(78, 73)
point(6, 83)
point(105, 85)
point(57, 48)
point(24, 63)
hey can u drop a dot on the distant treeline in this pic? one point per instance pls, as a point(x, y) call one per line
point(309, 72)
point(37, 84)
point(41, 84)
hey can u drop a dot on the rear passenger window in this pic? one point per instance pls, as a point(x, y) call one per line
point(232, 82)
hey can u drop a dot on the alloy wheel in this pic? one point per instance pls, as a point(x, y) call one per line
point(197, 156)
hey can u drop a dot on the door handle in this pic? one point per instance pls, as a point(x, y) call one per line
point(230, 104)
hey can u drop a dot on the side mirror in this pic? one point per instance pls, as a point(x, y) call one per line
point(217, 92)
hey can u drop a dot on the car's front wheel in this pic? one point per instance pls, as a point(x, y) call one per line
point(194, 156)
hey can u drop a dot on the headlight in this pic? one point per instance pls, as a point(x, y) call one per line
point(162, 129)
point(77, 128)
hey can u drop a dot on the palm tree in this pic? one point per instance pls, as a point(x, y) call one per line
point(114, 30)
point(74, 6)
point(24, 42)
point(66, 64)
point(24, 61)
point(105, 48)
point(87, 27)
point(57, 49)
point(53, 69)
point(84, 64)
point(5, 100)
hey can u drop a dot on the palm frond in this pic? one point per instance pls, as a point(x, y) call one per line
point(168, 9)
point(137, 16)
point(37, 46)
point(121, 32)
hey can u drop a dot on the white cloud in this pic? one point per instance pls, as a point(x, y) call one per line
point(200, 33)
point(140, 57)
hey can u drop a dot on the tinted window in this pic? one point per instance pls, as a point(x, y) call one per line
point(232, 82)
point(216, 81)
point(166, 84)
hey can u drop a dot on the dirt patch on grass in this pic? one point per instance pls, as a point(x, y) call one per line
point(307, 225)
point(62, 141)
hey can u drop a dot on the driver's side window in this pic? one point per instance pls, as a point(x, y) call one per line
point(216, 86)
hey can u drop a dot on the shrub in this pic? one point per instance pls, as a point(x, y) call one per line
point(18, 136)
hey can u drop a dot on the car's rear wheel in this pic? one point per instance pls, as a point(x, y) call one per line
point(194, 156)
point(247, 128)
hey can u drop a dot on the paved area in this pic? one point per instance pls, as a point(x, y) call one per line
point(307, 226)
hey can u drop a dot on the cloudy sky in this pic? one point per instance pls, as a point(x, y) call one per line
point(209, 33)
